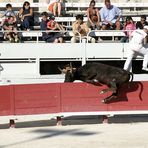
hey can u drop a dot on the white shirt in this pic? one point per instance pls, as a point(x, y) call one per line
point(138, 36)
point(137, 39)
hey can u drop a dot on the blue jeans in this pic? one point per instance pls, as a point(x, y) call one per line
point(27, 23)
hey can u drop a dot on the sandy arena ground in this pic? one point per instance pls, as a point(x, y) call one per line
point(77, 133)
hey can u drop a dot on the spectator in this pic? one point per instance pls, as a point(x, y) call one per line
point(55, 7)
point(8, 12)
point(26, 16)
point(142, 22)
point(80, 27)
point(43, 26)
point(93, 16)
point(54, 26)
point(10, 26)
point(49, 37)
point(129, 27)
point(110, 16)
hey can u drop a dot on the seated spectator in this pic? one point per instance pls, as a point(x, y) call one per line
point(10, 26)
point(80, 27)
point(50, 37)
point(110, 16)
point(26, 16)
point(93, 16)
point(142, 22)
point(129, 27)
point(43, 26)
point(7, 13)
point(52, 25)
point(55, 7)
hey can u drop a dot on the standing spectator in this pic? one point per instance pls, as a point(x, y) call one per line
point(55, 7)
point(93, 16)
point(26, 16)
point(79, 27)
point(136, 45)
point(142, 22)
point(8, 12)
point(10, 26)
point(129, 27)
point(110, 16)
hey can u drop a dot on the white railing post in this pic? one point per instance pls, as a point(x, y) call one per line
point(38, 66)
point(84, 40)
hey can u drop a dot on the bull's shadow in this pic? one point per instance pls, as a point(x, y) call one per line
point(125, 89)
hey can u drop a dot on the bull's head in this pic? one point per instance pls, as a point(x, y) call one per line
point(69, 71)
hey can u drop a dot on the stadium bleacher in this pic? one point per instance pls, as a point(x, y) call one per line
point(134, 8)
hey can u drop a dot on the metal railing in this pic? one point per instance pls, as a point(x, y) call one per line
point(66, 33)
point(38, 34)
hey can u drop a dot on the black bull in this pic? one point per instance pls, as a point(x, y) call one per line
point(97, 73)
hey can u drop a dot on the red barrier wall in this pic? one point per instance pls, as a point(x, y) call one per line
point(86, 97)
point(81, 97)
point(69, 97)
point(37, 98)
point(6, 100)
point(136, 95)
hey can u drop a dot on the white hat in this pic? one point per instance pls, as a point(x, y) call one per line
point(145, 27)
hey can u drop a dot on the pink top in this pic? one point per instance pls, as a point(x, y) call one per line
point(130, 26)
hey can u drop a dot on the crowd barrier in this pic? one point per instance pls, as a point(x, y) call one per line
point(69, 99)
point(69, 33)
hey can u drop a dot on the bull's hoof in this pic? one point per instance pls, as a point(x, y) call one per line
point(101, 92)
point(104, 101)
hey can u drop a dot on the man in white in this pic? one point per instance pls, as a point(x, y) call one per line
point(137, 47)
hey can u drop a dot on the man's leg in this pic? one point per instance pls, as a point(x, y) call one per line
point(59, 8)
point(55, 6)
point(128, 62)
point(144, 52)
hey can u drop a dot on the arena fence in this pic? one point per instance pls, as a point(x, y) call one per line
point(57, 100)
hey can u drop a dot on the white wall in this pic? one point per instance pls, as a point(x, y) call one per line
point(21, 60)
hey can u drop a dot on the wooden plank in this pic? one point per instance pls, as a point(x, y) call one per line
point(6, 100)
point(37, 99)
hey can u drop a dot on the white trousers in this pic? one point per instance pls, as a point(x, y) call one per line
point(141, 51)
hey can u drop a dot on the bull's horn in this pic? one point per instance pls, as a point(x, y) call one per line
point(70, 65)
point(62, 70)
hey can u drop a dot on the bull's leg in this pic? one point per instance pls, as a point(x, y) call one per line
point(90, 77)
point(94, 82)
point(113, 96)
point(106, 90)
point(112, 87)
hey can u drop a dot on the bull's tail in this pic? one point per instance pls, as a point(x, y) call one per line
point(132, 77)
